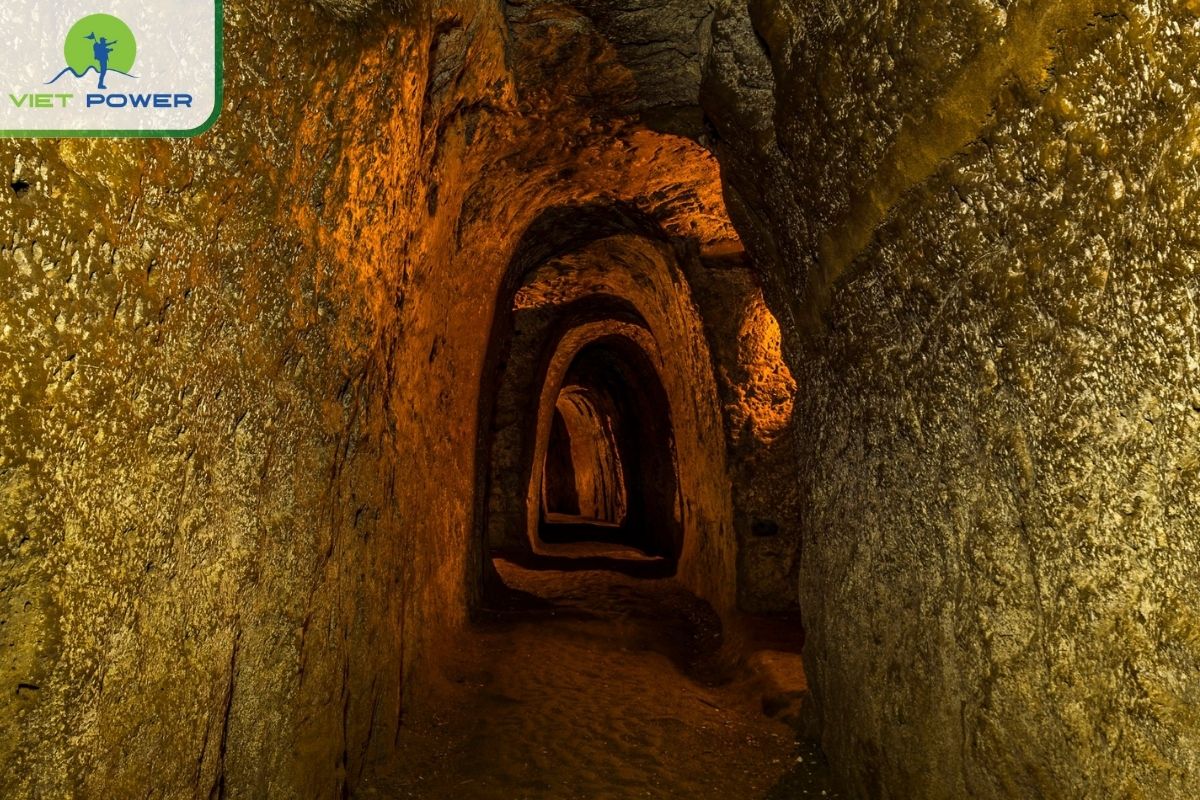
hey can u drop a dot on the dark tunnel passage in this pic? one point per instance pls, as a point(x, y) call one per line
point(560, 486)
point(573, 399)
point(601, 340)
point(623, 446)
point(612, 418)
point(583, 478)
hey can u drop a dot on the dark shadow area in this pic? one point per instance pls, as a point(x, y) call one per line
point(809, 776)
point(647, 568)
point(560, 529)
point(781, 632)
point(654, 615)
point(633, 454)
point(560, 493)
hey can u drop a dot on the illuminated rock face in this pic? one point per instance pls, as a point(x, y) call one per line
point(271, 397)
point(975, 221)
point(248, 381)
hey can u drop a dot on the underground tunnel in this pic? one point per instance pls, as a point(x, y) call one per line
point(615, 398)
point(610, 436)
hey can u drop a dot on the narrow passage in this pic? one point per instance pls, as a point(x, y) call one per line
point(590, 683)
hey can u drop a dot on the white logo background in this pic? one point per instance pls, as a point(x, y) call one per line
point(176, 54)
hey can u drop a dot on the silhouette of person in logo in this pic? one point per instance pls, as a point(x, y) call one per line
point(102, 49)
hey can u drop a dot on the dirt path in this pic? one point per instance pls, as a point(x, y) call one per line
point(597, 686)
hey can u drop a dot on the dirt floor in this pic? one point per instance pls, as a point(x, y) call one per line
point(592, 684)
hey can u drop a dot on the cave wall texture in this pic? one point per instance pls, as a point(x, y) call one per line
point(977, 223)
point(245, 379)
point(203, 526)
point(242, 376)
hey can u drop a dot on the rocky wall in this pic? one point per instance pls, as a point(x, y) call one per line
point(240, 379)
point(976, 221)
point(206, 564)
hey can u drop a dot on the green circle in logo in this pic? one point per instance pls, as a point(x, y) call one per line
point(98, 33)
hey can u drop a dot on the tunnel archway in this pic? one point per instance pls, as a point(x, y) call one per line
point(560, 485)
point(583, 477)
point(615, 375)
point(605, 264)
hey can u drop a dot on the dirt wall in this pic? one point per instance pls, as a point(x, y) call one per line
point(976, 224)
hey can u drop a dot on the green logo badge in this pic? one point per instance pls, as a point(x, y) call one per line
point(99, 43)
point(123, 68)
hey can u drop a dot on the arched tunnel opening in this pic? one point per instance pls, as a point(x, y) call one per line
point(600, 468)
point(621, 458)
point(564, 399)
point(625, 416)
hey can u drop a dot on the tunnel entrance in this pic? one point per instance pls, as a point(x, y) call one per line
point(609, 472)
point(680, 454)
point(583, 479)
point(594, 405)
point(560, 490)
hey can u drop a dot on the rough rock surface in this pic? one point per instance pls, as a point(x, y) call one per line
point(241, 379)
point(250, 384)
point(679, 298)
point(976, 221)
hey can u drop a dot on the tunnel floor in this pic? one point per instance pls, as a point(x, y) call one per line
point(587, 683)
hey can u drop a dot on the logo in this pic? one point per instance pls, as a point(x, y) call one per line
point(129, 68)
point(108, 46)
